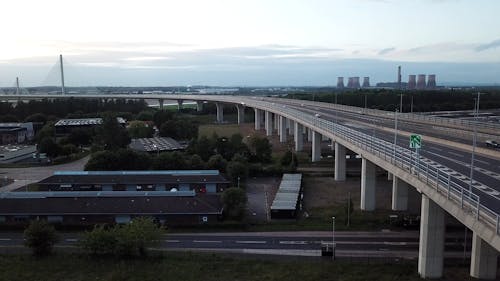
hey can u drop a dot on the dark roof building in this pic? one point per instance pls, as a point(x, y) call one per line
point(80, 208)
point(15, 133)
point(65, 126)
point(200, 181)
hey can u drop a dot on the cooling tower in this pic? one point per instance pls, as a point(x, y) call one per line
point(412, 81)
point(421, 81)
point(340, 82)
point(431, 81)
point(355, 82)
point(350, 82)
point(366, 82)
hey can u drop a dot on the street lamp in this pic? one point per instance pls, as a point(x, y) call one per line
point(474, 140)
point(333, 238)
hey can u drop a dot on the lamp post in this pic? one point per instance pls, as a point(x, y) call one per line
point(474, 140)
point(333, 238)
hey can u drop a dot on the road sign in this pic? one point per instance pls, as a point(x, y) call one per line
point(415, 141)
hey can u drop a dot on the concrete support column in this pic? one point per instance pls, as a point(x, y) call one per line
point(309, 134)
point(316, 146)
point(339, 162)
point(291, 127)
point(276, 122)
point(389, 176)
point(160, 103)
point(483, 260)
point(220, 112)
point(269, 123)
point(241, 113)
point(399, 195)
point(282, 129)
point(179, 104)
point(298, 137)
point(332, 144)
point(199, 106)
point(304, 129)
point(258, 115)
point(431, 245)
point(367, 185)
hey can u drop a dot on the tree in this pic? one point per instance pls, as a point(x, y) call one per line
point(196, 162)
point(121, 159)
point(234, 201)
point(237, 169)
point(110, 135)
point(37, 117)
point(217, 162)
point(80, 136)
point(161, 117)
point(99, 241)
point(138, 129)
point(47, 145)
point(40, 237)
point(47, 131)
point(204, 148)
point(169, 129)
point(134, 238)
point(145, 116)
point(289, 159)
point(261, 149)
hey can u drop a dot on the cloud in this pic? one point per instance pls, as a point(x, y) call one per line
point(385, 51)
point(491, 45)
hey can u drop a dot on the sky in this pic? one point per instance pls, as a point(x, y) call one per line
point(247, 42)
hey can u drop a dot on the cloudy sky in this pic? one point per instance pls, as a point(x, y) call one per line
point(247, 42)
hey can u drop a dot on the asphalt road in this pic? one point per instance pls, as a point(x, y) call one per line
point(348, 244)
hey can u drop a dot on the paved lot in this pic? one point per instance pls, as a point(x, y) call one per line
point(24, 176)
point(260, 193)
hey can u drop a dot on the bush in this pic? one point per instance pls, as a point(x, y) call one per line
point(40, 237)
point(235, 202)
point(99, 241)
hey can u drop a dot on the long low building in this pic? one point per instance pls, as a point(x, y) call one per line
point(288, 200)
point(200, 181)
point(88, 208)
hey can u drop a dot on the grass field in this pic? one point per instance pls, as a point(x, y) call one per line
point(189, 266)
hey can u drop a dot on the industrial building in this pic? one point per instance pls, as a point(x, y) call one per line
point(17, 153)
point(199, 181)
point(89, 208)
point(16, 133)
point(288, 200)
point(66, 126)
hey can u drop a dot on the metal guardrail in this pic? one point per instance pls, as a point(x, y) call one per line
point(426, 170)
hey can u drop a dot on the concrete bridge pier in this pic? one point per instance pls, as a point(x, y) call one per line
point(269, 123)
point(276, 122)
point(258, 121)
point(199, 106)
point(484, 259)
point(368, 179)
point(316, 146)
point(291, 127)
point(179, 104)
point(389, 176)
point(298, 136)
point(309, 134)
point(282, 129)
point(399, 195)
point(220, 112)
point(241, 113)
point(431, 244)
point(339, 162)
point(160, 103)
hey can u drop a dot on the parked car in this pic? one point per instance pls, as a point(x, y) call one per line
point(492, 143)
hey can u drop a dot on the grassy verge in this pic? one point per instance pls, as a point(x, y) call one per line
point(190, 266)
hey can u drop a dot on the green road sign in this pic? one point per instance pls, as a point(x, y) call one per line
point(415, 141)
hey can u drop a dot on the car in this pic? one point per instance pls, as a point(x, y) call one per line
point(492, 143)
point(317, 115)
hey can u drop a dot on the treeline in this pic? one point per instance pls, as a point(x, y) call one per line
point(423, 101)
point(67, 108)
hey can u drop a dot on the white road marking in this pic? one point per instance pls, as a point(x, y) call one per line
point(5, 239)
point(251, 242)
point(206, 241)
point(456, 154)
point(172, 241)
point(71, 240)
point(293, 242)
point(481, 161)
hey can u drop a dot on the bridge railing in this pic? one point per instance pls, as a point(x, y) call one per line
point(435, 175)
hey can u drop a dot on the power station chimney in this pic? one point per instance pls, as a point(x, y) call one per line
point(412, 81)
point(431, 81)
point(355, 82)
point(17, 86)
point(399, 77)
point(421, 81)
point(62, 75)
point(340, 82)
point(366, 82)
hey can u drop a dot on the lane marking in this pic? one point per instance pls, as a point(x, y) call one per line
point(172, 241)
point(294, 242)
point(71, 240)
point(5, 239)
point(457, 154)
point(251, 242)
point(206, 241)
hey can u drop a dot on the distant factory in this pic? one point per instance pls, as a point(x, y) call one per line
point(415, 82)
point(353, 83)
